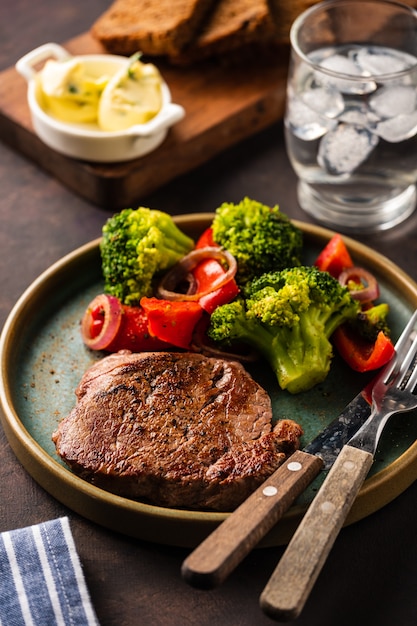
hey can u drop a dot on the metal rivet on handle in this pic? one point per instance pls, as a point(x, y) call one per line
point(294, 466)
point(327, 507)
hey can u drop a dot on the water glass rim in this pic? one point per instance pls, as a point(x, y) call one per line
point(299, 21)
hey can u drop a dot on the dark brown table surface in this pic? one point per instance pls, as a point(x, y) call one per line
point(371, 574)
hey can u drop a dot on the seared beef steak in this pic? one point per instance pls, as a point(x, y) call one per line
point(174, 429)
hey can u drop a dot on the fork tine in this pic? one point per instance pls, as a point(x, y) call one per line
point(412, 381)
point(402, 347)
point(407, 361)
point(412, 365)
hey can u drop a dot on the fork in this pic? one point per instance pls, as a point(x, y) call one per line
point(290, 584)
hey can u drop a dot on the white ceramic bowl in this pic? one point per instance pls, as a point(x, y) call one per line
point(87, 141)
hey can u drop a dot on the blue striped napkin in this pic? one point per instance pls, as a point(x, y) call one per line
point(41, 580)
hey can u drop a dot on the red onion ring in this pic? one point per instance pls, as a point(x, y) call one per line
point(370, 289)
point(180, 271)
point(112, 318)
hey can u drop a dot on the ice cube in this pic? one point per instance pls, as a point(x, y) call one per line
point(398, 128)
point(378, 61)
point(341, 64)
point(392, 101)
point(343, 149)
point(346, 67)
point(304, 122)
point(355, 112)
point(327, 102)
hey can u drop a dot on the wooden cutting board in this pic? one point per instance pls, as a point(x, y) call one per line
point(223, 106)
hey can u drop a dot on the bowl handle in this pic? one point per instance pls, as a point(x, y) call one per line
point(170, 115)
point(25, 65)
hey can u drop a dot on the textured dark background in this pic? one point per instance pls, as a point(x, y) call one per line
point(371, 574)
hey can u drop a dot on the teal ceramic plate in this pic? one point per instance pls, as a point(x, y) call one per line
point(43, 358)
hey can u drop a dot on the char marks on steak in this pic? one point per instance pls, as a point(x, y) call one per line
point(178, 430)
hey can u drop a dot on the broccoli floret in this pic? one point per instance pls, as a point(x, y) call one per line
point(369, 322)
point(288, 316)
point(137, 245)
point(261, 238)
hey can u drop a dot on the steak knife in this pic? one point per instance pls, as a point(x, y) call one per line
point(213, 560)
point(217, 556)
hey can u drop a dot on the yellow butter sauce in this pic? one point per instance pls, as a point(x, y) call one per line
point(74, 91)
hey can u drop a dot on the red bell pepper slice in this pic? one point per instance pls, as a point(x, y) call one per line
point(206, 272)
point(335, 257)
point(172, 321)
point(111, 326)
point(134, 333)
point(361, 355)
point(220, 296)
point(206, 239)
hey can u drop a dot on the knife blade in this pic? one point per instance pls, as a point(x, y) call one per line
point(216, 557)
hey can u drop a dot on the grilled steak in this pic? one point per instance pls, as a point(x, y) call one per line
point(174, 429)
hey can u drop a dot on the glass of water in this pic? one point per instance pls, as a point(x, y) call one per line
point(351, 116)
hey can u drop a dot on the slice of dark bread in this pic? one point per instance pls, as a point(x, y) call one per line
point(159, 27)
point(232, 25)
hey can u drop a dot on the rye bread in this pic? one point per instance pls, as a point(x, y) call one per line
point(153, 28)
point(176, 430)
point(232, 25)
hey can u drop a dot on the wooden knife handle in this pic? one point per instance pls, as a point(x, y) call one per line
point(290, 584)
point(213, 560)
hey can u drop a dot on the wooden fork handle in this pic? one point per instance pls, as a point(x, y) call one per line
point(213, 560)
point(290, 584)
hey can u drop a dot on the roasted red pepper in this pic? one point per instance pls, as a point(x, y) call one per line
point(206, 239)
point(359, 353)
point(108, 325)
point(334, 258)
point(206, 272)
point(362, 355)
point(134, 333)
point(172, 321)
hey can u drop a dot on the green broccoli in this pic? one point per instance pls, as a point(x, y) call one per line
point(370, 321)
point(137, 245)
point(288, 317)
point(261, 238)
